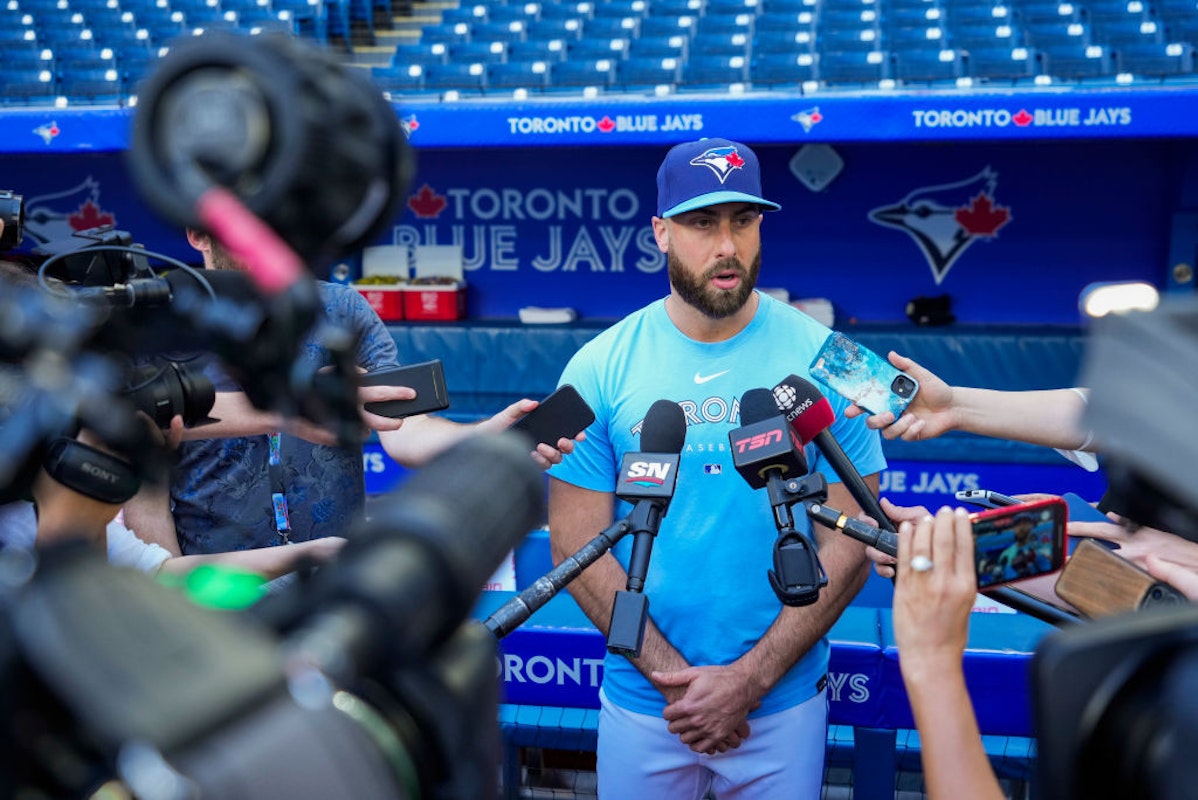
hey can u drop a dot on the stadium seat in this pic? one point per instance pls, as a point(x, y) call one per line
point(422, 53)
point(668, 25)
point(1155, 60)
point(782, 70)
point(727, 45)
point(786, 42)
point(576, 10)
point(1128, 31)
point(446, 33)
point(1052, 33)
point(645, 74)
point(861, 39)
point(853, 67)
point(927, 65)
point(507, 31)
point(463, 78)
point(399, 79)
point(1074, 62)
point(548, 50)
point(572, 75)
point(985, 35)
point(1041, 11)
point(90, 86)
point(1002, 64)
point(675, 46)
point(784, 22)
point(468, 13)
point(556, 28)
point(723, 7)
point(475, 52)
point(594, 48)
point(704, 71)
point(530, 75)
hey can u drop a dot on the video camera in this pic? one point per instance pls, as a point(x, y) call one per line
point(361, 680)
point(1116, 715)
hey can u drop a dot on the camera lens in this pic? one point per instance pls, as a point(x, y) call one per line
point(903, 386)
point(171, 389)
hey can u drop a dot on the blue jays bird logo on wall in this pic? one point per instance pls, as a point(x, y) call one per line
point(945, 220)
point(720, 160)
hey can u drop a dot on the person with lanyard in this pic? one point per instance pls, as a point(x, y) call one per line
point(254, 479)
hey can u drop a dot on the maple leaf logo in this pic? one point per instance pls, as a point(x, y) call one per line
point(89, 216)
point(409, 125)
point(982, 217)
point(734, 160)
point(1022, 119)
point(48, 131)
point(606, 125)
point(426, 203)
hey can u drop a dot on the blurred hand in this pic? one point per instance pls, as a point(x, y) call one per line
point(931, 608)
point(883, 563)
point(930, 413)
point(544, 455)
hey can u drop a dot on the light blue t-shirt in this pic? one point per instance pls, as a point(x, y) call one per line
point(707, 581)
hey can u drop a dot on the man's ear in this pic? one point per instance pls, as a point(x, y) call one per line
point(198, 239)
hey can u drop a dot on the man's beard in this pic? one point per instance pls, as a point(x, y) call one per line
point(220, 257)
point(711, 302)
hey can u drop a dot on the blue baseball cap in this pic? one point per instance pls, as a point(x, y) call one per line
point(704, 173)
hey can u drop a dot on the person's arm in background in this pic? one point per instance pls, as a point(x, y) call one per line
point(269, 562)
point(931, 628)
point(1049, 418)
point(424, 436)
point(718, 699)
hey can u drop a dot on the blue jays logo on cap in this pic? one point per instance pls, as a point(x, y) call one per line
point(720, 160)
point(706, 173)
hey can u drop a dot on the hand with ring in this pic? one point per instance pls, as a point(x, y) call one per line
point(935, 591)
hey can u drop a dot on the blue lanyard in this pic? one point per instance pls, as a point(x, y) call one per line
point(278, 497)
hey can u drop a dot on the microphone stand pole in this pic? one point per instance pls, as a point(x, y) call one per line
point(516, 611)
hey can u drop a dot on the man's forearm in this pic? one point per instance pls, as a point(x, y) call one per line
point(797, 629)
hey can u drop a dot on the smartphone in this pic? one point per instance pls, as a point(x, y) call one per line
point(986, 498)
point(1016, 542)
point(1099, 583)
point(561, 415)
point(427, 378)
point(859, 374)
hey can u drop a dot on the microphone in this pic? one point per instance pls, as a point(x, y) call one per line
point(810, 415)
point(765, 445)
point(767, 454)
point(647, 479)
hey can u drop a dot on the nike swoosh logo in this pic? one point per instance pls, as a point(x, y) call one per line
point(702, 379)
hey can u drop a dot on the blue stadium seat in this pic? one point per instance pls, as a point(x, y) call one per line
point(28, 90)
point(1155, 60)
point(399, 79)
point(475, 52)
point(446, 33)
point(575, 75)
point(724, 7)
point(787, 42)
point(606, 9)
point(1038, 11)
point(1002, 64)
point(575, 10)
point(727, 45)
point(595, 48)
point(782, 70)
point(463, 78)
point(675, 46)
point(422, 53)
point(924, 15)
point(714, 72)
point(623, 27)
point(90, 86)
point(973, 13)
point(1052, 33)
point(1128, 31)
point(557, 28)
point(464, 13)
point(845, 40)
point(668, 25)
point(726, 23)
point(923, 38)
point(506, 31)
point(1074, 62)
point(676, 8)
point(645, 74)
point(793, 7)
point(785, 22)
point(530, 75)
point(537, 50)
point(927, 65)
point(517, 12)
point(853, 67)
point(986, 35)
